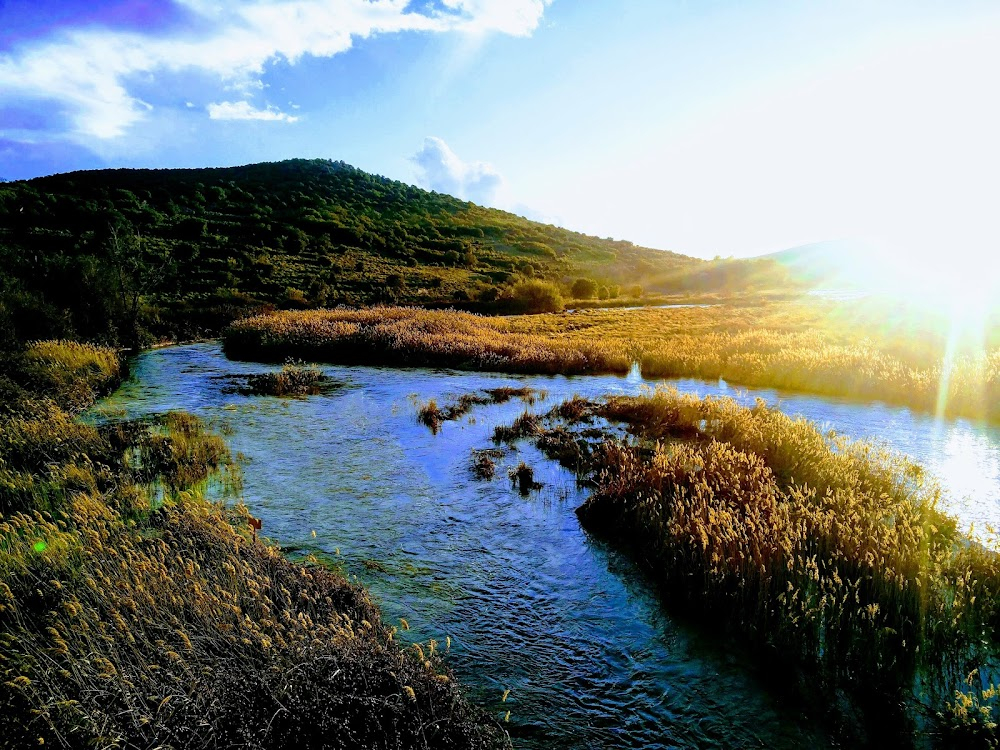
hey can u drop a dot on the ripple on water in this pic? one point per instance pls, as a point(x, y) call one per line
point(530, 601)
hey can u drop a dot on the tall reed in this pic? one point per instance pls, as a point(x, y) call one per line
point(134, 612)
point(817, 349)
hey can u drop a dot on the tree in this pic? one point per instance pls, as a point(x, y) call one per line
point(533, 296)
point(136, 271)
point(584, 289)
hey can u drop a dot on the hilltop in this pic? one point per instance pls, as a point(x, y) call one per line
point(187, 249)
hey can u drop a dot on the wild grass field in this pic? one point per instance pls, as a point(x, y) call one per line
point(858, 351)
point(135, 612)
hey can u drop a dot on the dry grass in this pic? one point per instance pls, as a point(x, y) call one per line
point(294, 379)
point(433, 415)
point(410, 337)
point(135, 613)
point(855, 351)
point(830, 552)
point(189, 633)
point(70, 372)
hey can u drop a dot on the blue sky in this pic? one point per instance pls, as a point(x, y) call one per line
point(709, 127)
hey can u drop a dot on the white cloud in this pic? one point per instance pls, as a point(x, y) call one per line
point(442, 170)
point(514, 18)
point(88, 71)
point(246, 111)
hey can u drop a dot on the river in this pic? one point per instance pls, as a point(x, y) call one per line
point(531, 602)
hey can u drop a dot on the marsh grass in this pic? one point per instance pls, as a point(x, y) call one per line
point(526, 425)
point(484, 462)
point(858, 351)
point(829, 554)
point(134, 612)
point(414, 337)
point(970, 720)
point(522, 476)
point(433, 416)
point(294, 379)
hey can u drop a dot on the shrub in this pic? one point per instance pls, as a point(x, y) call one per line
point(533, 296)
point(584, 289)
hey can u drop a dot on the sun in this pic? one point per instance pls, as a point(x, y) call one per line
point(950, 294)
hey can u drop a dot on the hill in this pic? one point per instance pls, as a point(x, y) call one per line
point(835, 265)
point(185, 250)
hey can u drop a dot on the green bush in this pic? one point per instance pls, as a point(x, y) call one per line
point(584, 289)
point(533, 296)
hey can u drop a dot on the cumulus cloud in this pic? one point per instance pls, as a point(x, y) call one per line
point(246, 111)
point(89, 70)
point(442, 170)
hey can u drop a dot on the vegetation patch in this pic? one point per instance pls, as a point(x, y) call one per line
point(138, 255)
point(433, 415)
point(484, 462)
point(526, 425)
point(522, 476)
point(830, 554)
point(292, 380)
point(858, 351)
point(134, 612)
point(410, 337)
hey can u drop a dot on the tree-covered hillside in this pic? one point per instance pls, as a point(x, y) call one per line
point(182, 250)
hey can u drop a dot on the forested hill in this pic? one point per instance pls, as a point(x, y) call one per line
point(182, 249)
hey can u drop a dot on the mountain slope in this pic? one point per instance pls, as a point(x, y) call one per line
point(191, 247)
point(834, 264)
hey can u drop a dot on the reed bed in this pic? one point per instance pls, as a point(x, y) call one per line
point(70, 372)
point(832, 554)
point(134, 612)
point(294, 379)
point(859, 352)
point(411, 337)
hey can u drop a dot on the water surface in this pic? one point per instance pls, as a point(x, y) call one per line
point(530, 601)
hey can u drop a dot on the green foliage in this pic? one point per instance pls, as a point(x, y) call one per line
point(533, 296)
point(109, 254)
point(584, 289)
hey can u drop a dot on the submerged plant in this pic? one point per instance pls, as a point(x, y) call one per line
point(522, 476)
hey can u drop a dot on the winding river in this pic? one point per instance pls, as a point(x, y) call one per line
point(531, 602)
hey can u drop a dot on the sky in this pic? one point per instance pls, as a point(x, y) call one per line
point(707, 127)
